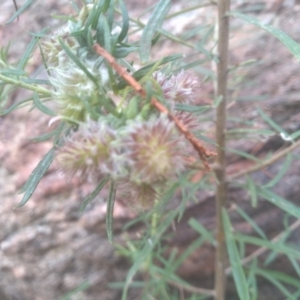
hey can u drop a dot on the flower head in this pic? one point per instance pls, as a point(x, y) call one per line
point(74, 92)
point(54, 54)
point(155, 150)
point(179, 88)
point(88, 151)
point(142, 195)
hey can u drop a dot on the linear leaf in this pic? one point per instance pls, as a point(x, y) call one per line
point(19, 11)
point(235, 261)
point(275, 278)
point(154, 23)
point(77, 61)
point(144, 70)
point(36, 176)
point(125, 21)
point(278, 247)
point(283, 169)
point(43, 108)
point(245, 216)
point(29, 49)
point(110, 210)
point(251, 187)
point(282, 203)
point(291, 45)
point(201, 230)
point(274, 125)
point(191, 108)
point(92, 196)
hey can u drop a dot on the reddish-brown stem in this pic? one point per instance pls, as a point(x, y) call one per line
point(201, 150)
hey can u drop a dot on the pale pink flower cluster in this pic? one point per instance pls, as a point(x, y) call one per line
point(141, 155)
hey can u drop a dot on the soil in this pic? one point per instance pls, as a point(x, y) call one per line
point(48, 248)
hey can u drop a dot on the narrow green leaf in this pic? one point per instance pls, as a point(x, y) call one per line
point(246, 217)
point(19, 11)
point(295, 264)
point(145, 252)
point(295, 135)
point(280, 202)
point(291, 45)
point(36, 176)
point(201, 230)
point(235, 261)
point(274, 125)
point(282, 170)
point(15, 72)
point(139, 260)
point(191, 108)
point(107, 36)
point(154, 23)
point(45, 136)
point(139, 74)
point(77, 61)
point(122, 52)
point(37, 81)
point(92, 196)
point(252, 282)
point(275, 277)
point(244, 154)
point(278, 247)
point(252, 191)
point(100, 30)
point(14, 106)
point(125, 21)
point(110, 210)
point(22, 63)
point(43, 108)
point(69, 296)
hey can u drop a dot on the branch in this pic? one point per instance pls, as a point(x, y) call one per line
point(202, 151)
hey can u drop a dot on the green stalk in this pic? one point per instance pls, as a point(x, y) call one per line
point(221, 193)
point(27, 86)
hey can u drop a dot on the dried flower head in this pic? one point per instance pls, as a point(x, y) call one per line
point(141, 196)
point(88, 151)
point(179, 88)
point(155, 149)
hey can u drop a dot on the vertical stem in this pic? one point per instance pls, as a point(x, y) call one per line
point(221, 193)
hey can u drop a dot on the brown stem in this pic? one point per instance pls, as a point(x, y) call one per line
point(221, 194)
point(202, 151)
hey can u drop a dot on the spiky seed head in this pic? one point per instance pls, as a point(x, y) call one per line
point(155, 149)
point(87, 151)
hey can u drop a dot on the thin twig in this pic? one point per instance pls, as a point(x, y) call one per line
point(202, 151)
point(262, 250)
point(265, 163)
point(221, 193)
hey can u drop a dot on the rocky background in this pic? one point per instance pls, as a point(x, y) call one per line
point(48, 248)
